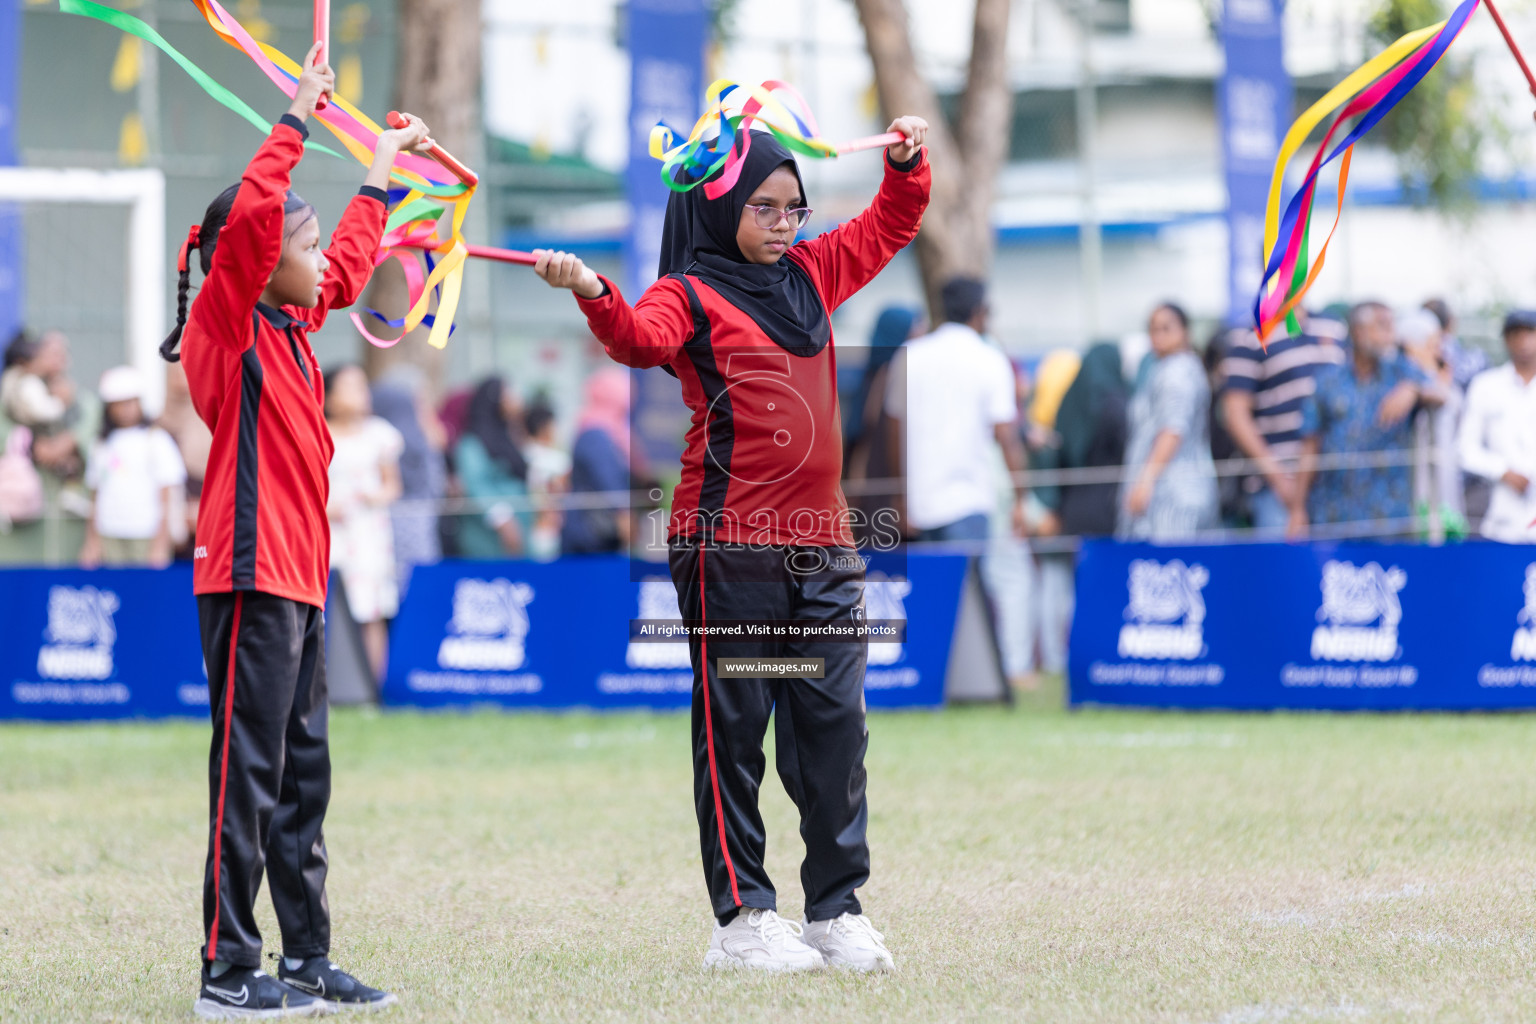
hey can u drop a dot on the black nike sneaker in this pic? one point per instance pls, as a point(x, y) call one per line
point(318, 977)
point(249, 993)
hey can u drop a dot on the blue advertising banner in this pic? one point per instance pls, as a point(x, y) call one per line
point(1253, 101)
point(1320, 626)
point(529, 634)
point(666, 83)
point(110, 643)
point(13, 306)
point(123, 643)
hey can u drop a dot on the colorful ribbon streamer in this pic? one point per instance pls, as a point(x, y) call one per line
point(433, 201)
point(134, 27)
point(1368, 93)
point(720, 138)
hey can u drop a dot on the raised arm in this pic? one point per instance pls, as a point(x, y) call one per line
point(357, 235)
point(351, 253)
point(251, 240)
point(848, 257)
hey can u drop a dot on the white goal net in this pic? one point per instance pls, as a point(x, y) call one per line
point(94, 264)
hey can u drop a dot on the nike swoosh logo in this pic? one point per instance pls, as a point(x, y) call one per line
point(238, 998)
point(318, 988)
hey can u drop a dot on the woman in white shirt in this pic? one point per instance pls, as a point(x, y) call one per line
point(133, 473)
point(1498, 434)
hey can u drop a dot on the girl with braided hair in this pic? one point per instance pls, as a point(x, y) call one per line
point(262, 557)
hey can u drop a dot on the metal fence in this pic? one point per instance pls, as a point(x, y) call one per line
point(649, 503)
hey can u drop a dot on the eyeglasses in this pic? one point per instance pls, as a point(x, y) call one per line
point(768, 217)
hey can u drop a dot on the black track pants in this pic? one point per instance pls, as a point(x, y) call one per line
point(269, 773)
point(818, 725)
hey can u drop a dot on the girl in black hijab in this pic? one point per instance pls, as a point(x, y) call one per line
point(760, 529)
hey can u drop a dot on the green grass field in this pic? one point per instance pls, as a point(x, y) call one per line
point(1030, 864)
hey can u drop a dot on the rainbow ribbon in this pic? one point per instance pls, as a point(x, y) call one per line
point(720, 138)
point(432, 199)
point(1368, 93)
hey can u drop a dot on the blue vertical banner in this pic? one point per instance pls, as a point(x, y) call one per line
point(1254, 108)
point(12, 250)
point(666, 83)
point(666, 41)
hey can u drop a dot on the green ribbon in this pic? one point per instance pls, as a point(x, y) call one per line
point(134, 27)
point(420, 209)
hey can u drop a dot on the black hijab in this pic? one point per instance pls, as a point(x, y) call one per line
point(487, 425)
point(699, 238)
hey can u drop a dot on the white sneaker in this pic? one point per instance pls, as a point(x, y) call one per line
point(850, 941)
point(762, 940)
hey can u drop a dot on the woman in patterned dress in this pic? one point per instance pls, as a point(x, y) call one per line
point(1169, 489)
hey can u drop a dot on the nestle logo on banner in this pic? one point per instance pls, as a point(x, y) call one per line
point(489, 626)
point(1166, 610)
point(1360, 613)
point(80, 634)
point(1523, 647)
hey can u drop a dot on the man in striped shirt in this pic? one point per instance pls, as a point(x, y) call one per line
point(1262, 398)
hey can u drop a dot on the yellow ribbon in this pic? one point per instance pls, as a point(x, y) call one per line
point(1334, 98)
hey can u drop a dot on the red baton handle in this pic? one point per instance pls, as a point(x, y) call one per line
point(872, 142)
point(438, 153)
point(485, 252)
point(323, 37)
point(1498, 20)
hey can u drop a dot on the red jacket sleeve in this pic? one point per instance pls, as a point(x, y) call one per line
point(649, 333)
point(354, 244)
point(251, 241)
point(848, 257)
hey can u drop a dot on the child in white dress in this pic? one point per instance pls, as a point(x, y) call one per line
point(365, 481)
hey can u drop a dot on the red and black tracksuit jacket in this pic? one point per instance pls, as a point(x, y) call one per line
point(764, 457)
point(761, 477)
point(256, 383)
point(263, 557)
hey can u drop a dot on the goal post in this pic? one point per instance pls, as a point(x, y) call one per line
point(142, 191)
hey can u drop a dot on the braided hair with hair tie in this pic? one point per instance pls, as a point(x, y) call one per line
point(204, 237)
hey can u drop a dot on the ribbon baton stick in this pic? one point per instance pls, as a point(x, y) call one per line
point(1498, 20)
point(485, 252)
point(873, 142)
point(438, 153)
point(323, 37)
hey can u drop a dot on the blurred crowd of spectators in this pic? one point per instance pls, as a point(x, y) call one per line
point(1360, 421)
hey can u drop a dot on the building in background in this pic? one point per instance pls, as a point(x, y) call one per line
point(555, 102)
point(1157, 186)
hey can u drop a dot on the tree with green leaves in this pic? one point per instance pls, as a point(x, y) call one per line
point(1439, 130)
